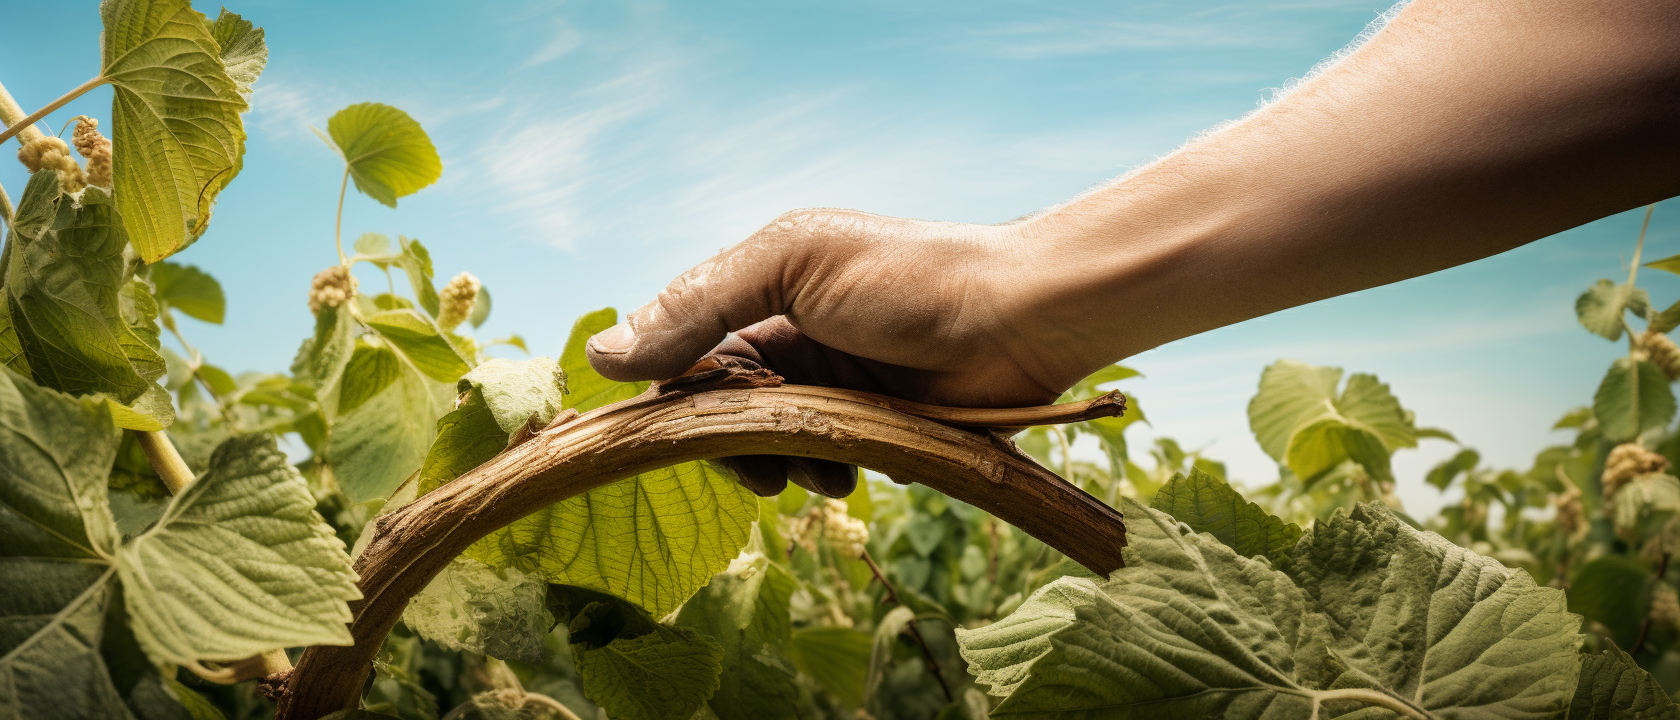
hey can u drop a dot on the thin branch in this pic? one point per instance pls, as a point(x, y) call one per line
point(338, 224)
point(1645, 625)
point(22, 127)
point(927, 653)
point(1639, 247)
point(710, 414)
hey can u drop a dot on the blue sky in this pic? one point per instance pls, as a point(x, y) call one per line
point(593, 150)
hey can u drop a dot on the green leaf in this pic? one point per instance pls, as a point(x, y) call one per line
point(1574, 419)
point(1601, 307)
point(190, 290)
point(176, 132)
point(502, 396)
point(1614, 687)
point(1302, 422)
point(473, 607)
point(481, 308)
point(745, 609)
point(384, 150)
point(1670, 264)
point(419, 340)
point(1633, 397)
point(244, 52)
point(837, 658)
point(1443, 474)
point(322, 357)
point(66, 289)
point(1372, 616)
point(375, 248)
point(416, 263)
point(586, 388)
point(240, 563)
point(633, 667)
point(1207, 504)
point(1643, 505)
point(653, 539)
point(385, 422)
point(1611, 590)
point(1665, 321)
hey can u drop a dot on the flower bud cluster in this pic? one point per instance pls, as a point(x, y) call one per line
point(331, 287)
point(96, 148)
point(1661, 351)
point(1626, 462)
point(455, 301)
point(50, 153)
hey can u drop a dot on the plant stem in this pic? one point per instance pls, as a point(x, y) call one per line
point(1645, 625)
point(1067, 453)
point(5, 207)
point(167, 462)
point(22, 127)
point(338, 225)
point(1639, 247)
point(927, 654)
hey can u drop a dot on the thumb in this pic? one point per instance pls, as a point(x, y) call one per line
point(744, 284)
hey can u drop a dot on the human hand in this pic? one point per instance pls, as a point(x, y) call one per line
point(938, 313)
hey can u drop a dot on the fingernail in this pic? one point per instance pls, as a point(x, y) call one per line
point(616, 339)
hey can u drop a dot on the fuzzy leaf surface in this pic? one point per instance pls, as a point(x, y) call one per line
point(633, 667)
point(1372, 616)
point(1633, 397)
point(1207, 504)
point(1613, 687)
point(471, 606)
point(501, 397)
point(239, 564)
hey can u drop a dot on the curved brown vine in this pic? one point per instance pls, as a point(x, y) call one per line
point(720, 413)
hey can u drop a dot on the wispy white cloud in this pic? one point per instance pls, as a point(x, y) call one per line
point(565, 39)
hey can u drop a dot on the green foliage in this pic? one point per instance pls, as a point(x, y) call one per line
point(1613, 686)
point(633, 667)
point(177, 137)
point(64, 287)
point(1634, 397)
point(1303, 423)
point(385, 150)
point(1207, 504)
point(499, 398)
point(190, 290)
point(836, 658)
point(471, 606)
point(1602, 307)
point(1370, 614)
point(745, 609)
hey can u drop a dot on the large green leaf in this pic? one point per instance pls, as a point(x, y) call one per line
point(633, 667)
point(471, 606)
point(382, 436)
point(653, 539)
point(385, 150)
point(65, 288)
point(1372, 616)
point(240, 563)
point(837, 658)
point(1614, 687)
point(1207, 504)
point(1643, 506)
point(416, 262)
point(1633, 397)
point(1302, 422)
point(190, 290)
point(745, 609)
point(176, 133)
point(1600, 309)
point(587, 389)
point(419, 340)
point(501, 397)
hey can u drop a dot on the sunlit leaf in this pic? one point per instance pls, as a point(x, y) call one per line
point(382, 437)
point(386, 151)
point(1302, 422)
point(176, 133)
point(421, 343)
point(501, 397)
point(481, 308)
point(244, 52)
point(473, 607)
point(587, 389)
point(190, 290)
point(416, 263)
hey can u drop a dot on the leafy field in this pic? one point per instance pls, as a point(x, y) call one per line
point(164, 559)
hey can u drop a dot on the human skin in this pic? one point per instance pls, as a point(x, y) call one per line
point(1463, 129)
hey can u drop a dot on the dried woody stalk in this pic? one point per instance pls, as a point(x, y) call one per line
point(720, 412)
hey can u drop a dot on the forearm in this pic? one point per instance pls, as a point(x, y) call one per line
point(1462, 130)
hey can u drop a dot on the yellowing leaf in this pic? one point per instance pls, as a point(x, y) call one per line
point(385, 151)
point(176, 136)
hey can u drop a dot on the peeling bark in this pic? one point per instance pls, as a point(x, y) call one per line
point(721, 412)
